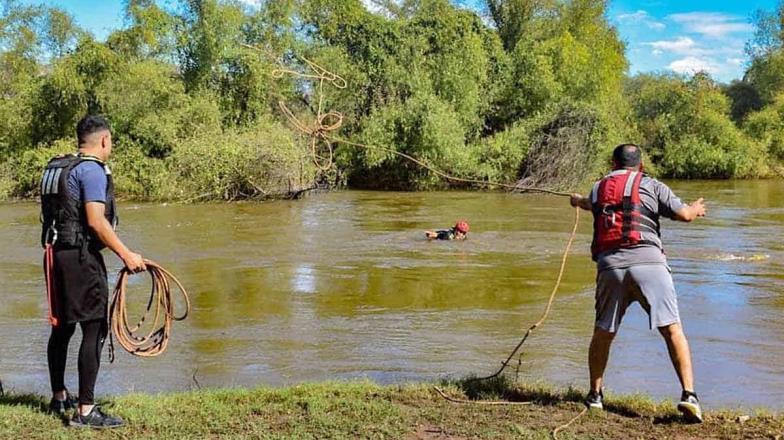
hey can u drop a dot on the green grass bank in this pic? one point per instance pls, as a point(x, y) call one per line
point(367, 410)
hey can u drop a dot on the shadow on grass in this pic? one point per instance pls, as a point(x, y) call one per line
point(29, 400)
point(504, 388)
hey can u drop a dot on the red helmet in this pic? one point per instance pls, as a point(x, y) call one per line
point(462, 227)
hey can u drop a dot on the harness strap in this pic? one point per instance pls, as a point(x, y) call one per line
point(630, 183)
point(50, 285)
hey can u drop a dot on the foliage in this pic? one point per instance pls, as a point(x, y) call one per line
point(686, 126)
point(260, 162)
point(767, 126)
point(517, 89)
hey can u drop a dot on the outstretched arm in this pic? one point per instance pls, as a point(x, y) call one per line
point(690, 212)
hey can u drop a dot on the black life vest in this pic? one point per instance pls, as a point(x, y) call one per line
point(63, 218)
point(620, 218)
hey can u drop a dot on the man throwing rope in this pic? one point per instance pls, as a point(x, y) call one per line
point(631, 264)
point(79, 216)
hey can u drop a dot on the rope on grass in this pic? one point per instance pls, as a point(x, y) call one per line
point(478, 402)
point(567, 424)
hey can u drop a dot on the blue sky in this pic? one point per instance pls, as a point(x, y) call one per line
point(679, 36)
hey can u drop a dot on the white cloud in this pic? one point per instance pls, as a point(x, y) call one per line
point(711, 24)
point(254, 3)
point(681, 46)
point(692, 65)
point(641, 17)
point(736, 61)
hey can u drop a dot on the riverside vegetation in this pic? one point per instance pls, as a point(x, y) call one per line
point(523, 89)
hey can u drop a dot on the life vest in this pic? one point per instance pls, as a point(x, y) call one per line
point(619, 216)
point(63, 218)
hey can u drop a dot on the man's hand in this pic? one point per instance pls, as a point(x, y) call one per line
point(690, 212)
point(134, 262)
point(698, 207)
point(575, 199)
point(578, 200)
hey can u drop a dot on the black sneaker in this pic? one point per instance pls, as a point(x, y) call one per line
point(594, 400)
point(689, 406)
point(96, 419)
point(61, 406)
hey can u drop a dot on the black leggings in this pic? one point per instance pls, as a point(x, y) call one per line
point(93, 334)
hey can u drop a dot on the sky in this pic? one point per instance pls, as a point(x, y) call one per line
point(661, 36)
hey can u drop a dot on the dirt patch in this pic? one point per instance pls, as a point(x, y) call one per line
point(432, 432)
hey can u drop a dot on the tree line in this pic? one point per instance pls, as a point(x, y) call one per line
point(531, 90)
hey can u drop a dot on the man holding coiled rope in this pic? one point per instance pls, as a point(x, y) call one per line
point(79, 215)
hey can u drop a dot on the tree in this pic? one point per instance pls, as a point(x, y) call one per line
point(745, 99)
point(515, 18)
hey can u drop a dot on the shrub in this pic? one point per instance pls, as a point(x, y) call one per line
point(262, 161)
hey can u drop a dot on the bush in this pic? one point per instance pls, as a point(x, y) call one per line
point(426, 128)
point(565, 147)
point(259, 162)
point(688, 131)
point(21, 175)
point(500, 156)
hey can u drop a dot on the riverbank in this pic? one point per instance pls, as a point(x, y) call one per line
point(367, 410)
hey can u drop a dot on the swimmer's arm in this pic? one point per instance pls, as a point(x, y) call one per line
point(691, 211)
point(578, 200)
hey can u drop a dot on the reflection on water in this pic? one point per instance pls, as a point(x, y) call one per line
point(344, 285)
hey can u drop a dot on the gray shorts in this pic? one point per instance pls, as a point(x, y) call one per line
point(650, 284)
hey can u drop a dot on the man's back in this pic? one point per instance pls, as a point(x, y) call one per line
point(659, 199)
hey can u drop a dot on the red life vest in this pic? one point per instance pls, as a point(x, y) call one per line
point(619, 216)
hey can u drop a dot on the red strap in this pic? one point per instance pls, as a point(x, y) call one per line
point(50, 289)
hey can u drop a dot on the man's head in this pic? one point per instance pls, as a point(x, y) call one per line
point(94, 136)
point(627, 157)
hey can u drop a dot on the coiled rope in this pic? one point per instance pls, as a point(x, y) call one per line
point(161, 303)
point(320, 135)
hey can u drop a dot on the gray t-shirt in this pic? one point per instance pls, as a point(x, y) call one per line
point(659, 199)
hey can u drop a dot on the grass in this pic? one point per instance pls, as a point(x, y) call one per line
point(348, 410)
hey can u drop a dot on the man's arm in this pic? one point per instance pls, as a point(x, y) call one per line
point(578, 200)
point(690, 212)
point(104, 231)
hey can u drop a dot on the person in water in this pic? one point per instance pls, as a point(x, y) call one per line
point(627, 206)
point(459, 232)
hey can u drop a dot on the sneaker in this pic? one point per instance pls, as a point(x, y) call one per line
point(594, 400)
point(61, 406)
point(96, 419)
point(689, 406)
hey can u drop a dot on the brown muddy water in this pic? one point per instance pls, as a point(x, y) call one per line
point(343, 285)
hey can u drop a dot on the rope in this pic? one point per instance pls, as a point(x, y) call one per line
point(567, 424)
point(320, 131)
point(547, 309)
point(156, 340)
point(478, 402)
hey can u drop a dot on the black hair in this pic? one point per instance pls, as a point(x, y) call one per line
point(90, 124)
point(627, 156)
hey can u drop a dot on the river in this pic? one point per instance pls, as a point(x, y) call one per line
point(343, 285)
